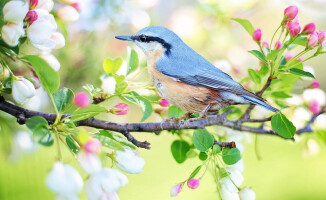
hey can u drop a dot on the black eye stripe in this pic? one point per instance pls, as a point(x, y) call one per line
point(147, 39)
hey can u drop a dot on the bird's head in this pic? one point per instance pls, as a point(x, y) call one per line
point(153, 38)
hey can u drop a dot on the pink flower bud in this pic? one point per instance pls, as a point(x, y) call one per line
point(93, 146)
point(31, 17)
point(314, 107)
point(321, 36)
point(257, 35)
point(33, 4)
point(315, 84)
point(289, 56)
point(175, 190)
point(278, 45)
point(309, 28)
point(300, 59)
point(81, 100)
point(312, 40)
point(164, 103)
point(193, 183)
point(294, 28)
point(121, 109)
point(265, 44)
point(77, 6)
point(290, 12)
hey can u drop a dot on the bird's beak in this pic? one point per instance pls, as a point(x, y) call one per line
point(124, 37)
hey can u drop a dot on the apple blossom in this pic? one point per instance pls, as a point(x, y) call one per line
point(11, 33)
point(108, 84)
point(33, 4)
point(315, 84)
point(89, 162)
point(312, 40)
point(68, 14)
point(105, 182)
point(76, 5)
point(193, 183)
point(40, 32)
point(15, 11)
point(93, 146)
point(309, 28)
point(129, 161)
point(247, 194)
point(64, 180)
point(294, 29)
point(290, 12)
point(227, 195)
point(31, 17)
point(59, 40)
point(121, 109)
point(164, 103)
point(278, 45)
point(227, 184)
point(81, 100)
point(52, 61)
point(46, 5)
point(265, 44)
point(236, 176)
point(321, 36)
point(257, 35)
point(314, 107)
point(309, 95)
point(289, 56)
point(175, 190)
point(22, 89)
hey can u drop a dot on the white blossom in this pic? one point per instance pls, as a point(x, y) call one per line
point(129, 161)
point(51, 60)
point(15, 11)
point(236, 176)
point(108, 84)
point(22, 89)
point(90, 163)
point(320, 122)
point(247, 194)
point(46, 5)
point(41, 31)
point(68, 14)
point(104, 183)
point(58, 39)
point(11, 33)
point(314, 94)
point(64, 180)
point(227, 195)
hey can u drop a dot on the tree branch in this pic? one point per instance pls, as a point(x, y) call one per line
point(23, 114)
point(307, 128)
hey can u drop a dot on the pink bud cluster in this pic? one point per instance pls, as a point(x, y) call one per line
point(81, 100)
point(191, 183)
point(31, 17)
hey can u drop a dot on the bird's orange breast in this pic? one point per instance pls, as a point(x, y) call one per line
point(188, 97)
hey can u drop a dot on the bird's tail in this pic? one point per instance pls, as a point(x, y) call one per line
point(260, 102)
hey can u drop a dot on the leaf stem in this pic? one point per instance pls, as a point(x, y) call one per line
point(270, 49)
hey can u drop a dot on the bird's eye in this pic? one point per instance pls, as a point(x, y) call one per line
point(143, 38)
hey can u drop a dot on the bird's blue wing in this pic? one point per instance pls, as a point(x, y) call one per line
point(196, 70)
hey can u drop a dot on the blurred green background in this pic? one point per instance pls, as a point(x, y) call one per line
point(286, 170)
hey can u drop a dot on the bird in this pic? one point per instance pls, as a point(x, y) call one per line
point(185, 78)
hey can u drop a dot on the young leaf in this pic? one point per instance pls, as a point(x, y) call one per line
point(259, 55)
point(281, 95)
point(246, 24)
point(301, 72)
point(263, 71)
point(202, 156)
point(174, 111)
point(84, 113)
point(36, 121)
point(283, 126)
point(301, 41)
point(39, 126)
point(116, 137)
point(63, 99)
point(231, 156)
point(133, 61)
point(202, 140)
point(48, 77)
point(254, 76)
point(195, 172)
point(216, 149)
point(112, 66)
point(72, 146)
point(144, 104)
point(179, 149)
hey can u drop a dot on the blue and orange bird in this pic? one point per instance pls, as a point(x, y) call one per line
point(185, 78)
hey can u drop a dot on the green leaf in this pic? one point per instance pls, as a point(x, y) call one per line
point(301, 72)
point(174, 111)
point(254, 76)
point(283, 126)
point(133, 61)
point(223, 172)
point(281, 95)
point(202, 156)
point(246, 24)
point(41, 133)
point(259, 55)
point(84, 113)
point(48, 77)
point(231, 156)
point(71, 145)
point(145, 105)
point(179, 149)
point(301, 41)
point(263, 71)
point(112, 66)
point(195, 172)
point(202, 140)
point(216, 149)
point(63, 99)
point(116, 137)
point(273, 54)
